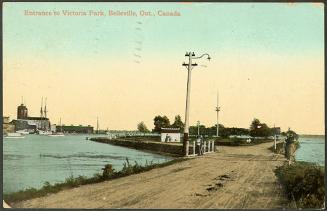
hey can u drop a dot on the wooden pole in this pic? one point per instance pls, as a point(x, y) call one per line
point(193, 148)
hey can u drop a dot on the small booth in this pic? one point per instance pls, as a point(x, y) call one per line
point(170, 135)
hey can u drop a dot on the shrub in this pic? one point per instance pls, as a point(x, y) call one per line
point(108, 171)
point(303, 182)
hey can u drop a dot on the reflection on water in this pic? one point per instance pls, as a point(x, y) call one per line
point(312, 149)
point(31, 161)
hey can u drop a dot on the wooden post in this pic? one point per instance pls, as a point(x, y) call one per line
point(213, 145)
point(194, 148)
point(205, 147)
point(209, 146)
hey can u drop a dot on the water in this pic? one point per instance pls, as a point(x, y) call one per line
point(312, 149)
point(35, 159)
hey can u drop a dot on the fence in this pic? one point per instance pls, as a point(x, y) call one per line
point(208, 146)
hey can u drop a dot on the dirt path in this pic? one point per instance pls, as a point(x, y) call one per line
point(235, 177)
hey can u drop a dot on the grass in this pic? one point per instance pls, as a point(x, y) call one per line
point(109, 173)
point(303, 183)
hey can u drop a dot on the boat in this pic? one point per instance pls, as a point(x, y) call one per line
point(13, 135)
point(56, 134)
point(44, 132)
point(23, 132)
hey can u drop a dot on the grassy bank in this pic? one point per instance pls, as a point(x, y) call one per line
point(303, 183)
point(108, 174)
point(280, 147)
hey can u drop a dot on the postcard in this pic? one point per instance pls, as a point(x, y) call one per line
point(163, 105)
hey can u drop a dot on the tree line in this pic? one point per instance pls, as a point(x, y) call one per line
point(256, 129)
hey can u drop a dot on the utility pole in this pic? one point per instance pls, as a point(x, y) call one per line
point(275, 138)
point(198, 128)
point(189, 66)
point(217, 110)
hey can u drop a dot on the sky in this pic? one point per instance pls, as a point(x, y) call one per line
point(267, 63)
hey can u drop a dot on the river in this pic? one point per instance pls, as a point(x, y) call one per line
point(312, 149)
point(35, 159)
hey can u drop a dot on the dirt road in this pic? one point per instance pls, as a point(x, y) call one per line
point(234, 177)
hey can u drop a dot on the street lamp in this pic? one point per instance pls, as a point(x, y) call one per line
point(191, 56)
point(217, 110)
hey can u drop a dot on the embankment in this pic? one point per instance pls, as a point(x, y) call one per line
point(174, 149)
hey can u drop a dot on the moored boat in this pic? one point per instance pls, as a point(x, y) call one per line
point(13, 135)
point(43, 132)
point(23, 132)
point(56, 134)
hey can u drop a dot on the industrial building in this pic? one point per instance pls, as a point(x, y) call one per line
point(32, 124)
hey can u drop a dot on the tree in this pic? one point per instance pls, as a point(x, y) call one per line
point(142, 127)
point(255, 124)
point(160, 122)
point(258, 129)
point(178, 123)
point(291, 136)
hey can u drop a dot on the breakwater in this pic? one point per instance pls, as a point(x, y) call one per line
point(174, 149)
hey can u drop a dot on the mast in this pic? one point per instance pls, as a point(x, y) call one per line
point(41, 115)
point(45, 113)
point(97, 125)
point(45, 108)
point(60, 124)
point(41, 111)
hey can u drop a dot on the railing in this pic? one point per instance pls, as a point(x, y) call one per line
point(208, 146)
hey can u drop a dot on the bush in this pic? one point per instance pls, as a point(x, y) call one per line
point(108, 171)
point(304, 183)
point(280, 147)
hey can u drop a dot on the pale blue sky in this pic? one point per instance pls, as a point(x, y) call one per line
point(278, 28)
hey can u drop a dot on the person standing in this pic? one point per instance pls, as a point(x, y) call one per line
point(198, 144)
point(201, 146)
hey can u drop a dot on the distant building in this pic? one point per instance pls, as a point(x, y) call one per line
point(74, 129)
point(22, 112)
point(7, 127)
point(277, 130)
point(24, 122)
point(170, 135)
point(53, 128)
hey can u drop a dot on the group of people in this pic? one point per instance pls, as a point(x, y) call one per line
point(290, 146)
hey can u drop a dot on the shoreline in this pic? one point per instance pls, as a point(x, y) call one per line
point(225, 179)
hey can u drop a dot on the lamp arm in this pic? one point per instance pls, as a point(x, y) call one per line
point(199, 57)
